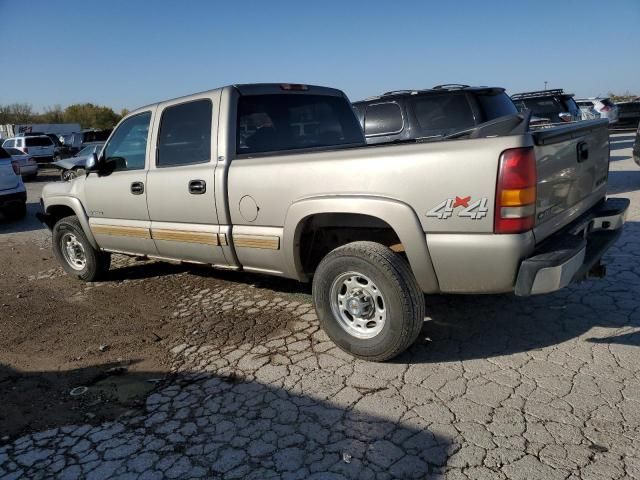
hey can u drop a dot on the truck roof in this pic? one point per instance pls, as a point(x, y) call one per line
point(256, 89)
point(540, 93)
point(450, 87)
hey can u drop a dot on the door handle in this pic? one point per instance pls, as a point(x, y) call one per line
point(197, 187)
point(583, 152)
point(137, 188)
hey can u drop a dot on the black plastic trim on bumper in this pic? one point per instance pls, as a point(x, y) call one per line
point(12, 198)
point(569, 256)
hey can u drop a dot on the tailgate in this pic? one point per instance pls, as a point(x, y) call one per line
point(573, 165)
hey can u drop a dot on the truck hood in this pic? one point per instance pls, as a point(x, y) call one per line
point(71, 163)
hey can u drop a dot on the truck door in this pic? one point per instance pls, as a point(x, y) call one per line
point(116, 202)
point(181, 193)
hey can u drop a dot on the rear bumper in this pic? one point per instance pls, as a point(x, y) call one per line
point(572, 254)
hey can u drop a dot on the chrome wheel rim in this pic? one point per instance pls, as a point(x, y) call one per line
point(73, 251)
point(358, 305)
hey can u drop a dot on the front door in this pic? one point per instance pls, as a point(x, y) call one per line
point(182, 208)
point(116, 200)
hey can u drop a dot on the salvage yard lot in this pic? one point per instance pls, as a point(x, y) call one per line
point(191, 372)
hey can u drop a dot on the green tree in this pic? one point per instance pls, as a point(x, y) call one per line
point(89, 115)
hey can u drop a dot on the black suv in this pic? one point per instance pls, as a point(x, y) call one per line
point(552, 105)
point(441, 111)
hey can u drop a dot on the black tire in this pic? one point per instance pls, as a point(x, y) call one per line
point(96, 262)
point(404, 301)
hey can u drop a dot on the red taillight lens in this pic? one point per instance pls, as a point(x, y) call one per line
point(516, 191)
point(25, 150)
point(16, 167)
point(606, 108)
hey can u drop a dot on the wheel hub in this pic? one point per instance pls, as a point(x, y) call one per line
point(358, 305)
point(73, 251)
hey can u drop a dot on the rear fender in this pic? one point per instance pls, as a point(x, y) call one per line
point(398, 215)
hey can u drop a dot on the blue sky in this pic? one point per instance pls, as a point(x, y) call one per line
point(127, 53)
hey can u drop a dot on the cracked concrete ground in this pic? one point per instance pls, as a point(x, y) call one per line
point(498, 387)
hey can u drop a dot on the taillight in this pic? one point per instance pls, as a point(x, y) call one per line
point(16, 167)
point(516, 191)
point(25, 150)
point(606, 108)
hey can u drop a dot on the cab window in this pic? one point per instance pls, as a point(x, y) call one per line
point(128, 146)
point(185, 134)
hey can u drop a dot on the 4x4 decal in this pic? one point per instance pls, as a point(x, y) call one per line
point(473, 210)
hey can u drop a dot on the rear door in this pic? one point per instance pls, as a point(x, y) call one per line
point(181, 187)
point(572, 167)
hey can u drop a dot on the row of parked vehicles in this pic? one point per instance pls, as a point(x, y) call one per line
point(444, 190)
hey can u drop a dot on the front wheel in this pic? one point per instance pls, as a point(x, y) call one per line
point(368, 301)
point(68, 175)
point(76, 255)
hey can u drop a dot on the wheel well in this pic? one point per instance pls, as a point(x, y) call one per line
point(324, 232)
point(58, 212)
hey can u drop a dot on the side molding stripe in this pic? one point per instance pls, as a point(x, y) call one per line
point(267, 242)
point(118, 230)
point(206, 238)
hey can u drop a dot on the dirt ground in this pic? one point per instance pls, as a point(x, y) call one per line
point(58, 334)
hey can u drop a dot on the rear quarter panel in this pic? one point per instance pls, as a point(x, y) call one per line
point(423, 176)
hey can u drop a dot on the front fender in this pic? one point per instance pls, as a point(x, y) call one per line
point(398, 215)
point(50, 203)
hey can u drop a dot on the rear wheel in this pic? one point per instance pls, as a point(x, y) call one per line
point(368, 301)
point(77, 256)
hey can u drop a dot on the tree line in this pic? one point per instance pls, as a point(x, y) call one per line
point(87, 115)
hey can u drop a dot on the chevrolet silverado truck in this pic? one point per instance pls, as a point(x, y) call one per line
point(277, 179)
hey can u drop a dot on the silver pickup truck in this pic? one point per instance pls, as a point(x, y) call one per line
point(277, 179)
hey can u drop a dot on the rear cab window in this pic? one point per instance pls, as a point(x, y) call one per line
point(287, 122)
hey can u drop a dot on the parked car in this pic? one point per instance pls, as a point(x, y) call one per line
point(556, 106)
point(28, 164)
point(39, 147)
point(636, 147)
point(628, 114)
point(13, 195)
point(432, 113)
point(278, 179)
point(70, 167)
point(598, 108)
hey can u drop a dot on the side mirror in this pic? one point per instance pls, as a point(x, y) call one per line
point(565, 116)
point(92, 162)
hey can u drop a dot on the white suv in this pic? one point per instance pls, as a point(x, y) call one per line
point(598, 108)
point(40, 147)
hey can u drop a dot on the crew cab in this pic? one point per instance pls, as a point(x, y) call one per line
point(277, 179)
